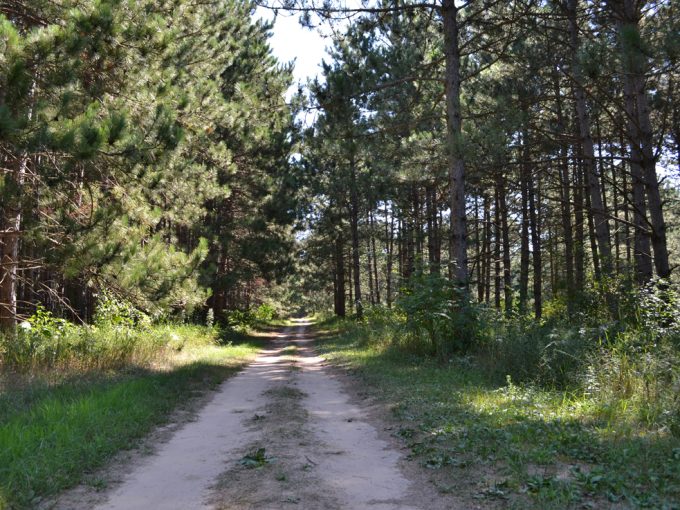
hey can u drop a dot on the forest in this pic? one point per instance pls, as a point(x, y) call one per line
point(477, 201)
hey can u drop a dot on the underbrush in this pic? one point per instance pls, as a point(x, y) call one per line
point(243, 320)
point(573, 410)
point(120, 336)
point(86, 348)
point(528, 445)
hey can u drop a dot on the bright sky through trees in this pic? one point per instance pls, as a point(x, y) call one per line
point(291, 41)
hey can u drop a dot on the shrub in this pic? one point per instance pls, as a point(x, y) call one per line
point(240, 320)
point(117, 312)
point(210, 318)
point(659, 309)
point(439, 314)
point(264, 313)
point(42, 337)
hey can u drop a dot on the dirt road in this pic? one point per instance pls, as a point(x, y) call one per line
point(282, 433)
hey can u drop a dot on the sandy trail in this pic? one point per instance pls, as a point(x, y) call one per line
point(321, 452)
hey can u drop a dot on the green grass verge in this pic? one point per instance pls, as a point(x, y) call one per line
point(52, 434)
point(508, 446)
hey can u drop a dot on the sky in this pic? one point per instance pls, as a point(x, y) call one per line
point(291, 41)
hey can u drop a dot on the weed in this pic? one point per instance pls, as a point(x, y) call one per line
point(256, 459)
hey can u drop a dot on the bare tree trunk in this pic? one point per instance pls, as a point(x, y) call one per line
point(579, 236)
point(340, 305)
point(390, 249)
point(536, 249)
point(369, 267)
point(375, 257)
point(654, 202)
point(565, 199)
point(9, 265)
point(640, 133)
point(400, 247)
point(10, 236)
point(478, 252)
point(524, 243)
point(626, 202)
point(505, 233)
point(497, 250)
point(591, 226)
point(596, 210)
point(418, 232)
point(354, 225)
point(641, 245)
point(350, 279)
point(458, 236)
point(487, 248)
point(615, 204)
point(410, 259)
point(431, 213)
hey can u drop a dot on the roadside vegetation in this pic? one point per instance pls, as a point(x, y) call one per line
point(566, 412)
point(72, 396)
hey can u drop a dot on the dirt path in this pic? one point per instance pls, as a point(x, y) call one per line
point(282, 433)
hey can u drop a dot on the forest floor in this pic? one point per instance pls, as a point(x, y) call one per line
point(287, 431)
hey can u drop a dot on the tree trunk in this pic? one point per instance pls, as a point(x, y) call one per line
point(536, 249)
point(486, 249)
point(596, 211)
point(10, 234)
point(497, 250)
point(641, 244)
point(626, 201)
point(524, 243)
point(458, 235)
point(431, 213)
point(375, 257)
point(640, 131)
point(340, 293)
point(505, 233)
point(350, 279)
point(478, 252)
point(390, 249)
point(615, 205)
point(418, 232)
point(354, 225)
point(579, 237)
point(565, 199)
point(591, 224)
point(369, 263)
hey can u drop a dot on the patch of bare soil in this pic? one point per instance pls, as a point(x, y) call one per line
point(464, 486)
point(319, 449)
point(278, 469)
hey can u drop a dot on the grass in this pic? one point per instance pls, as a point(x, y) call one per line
point(58, 425)
point(512, 446)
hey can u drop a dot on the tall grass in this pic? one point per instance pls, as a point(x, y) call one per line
point(69, 348)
